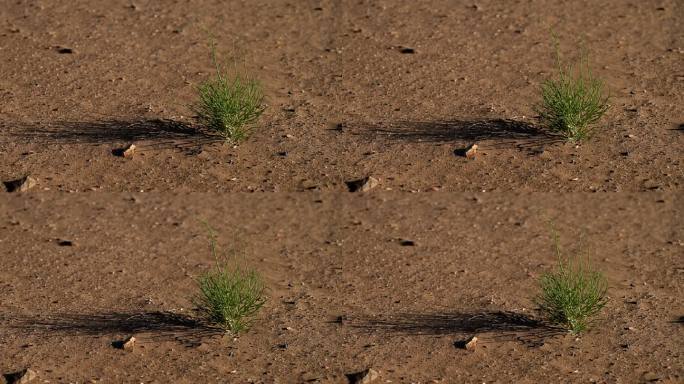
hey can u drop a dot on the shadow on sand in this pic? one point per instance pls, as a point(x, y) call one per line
point(155, 325)
point(502, 132)
point(146, 133)
point(497, 325)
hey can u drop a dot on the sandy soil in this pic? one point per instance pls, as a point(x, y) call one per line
point(345, 295)
point(337, 83)
point(80, 79)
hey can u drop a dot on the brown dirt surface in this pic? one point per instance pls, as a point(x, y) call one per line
point(388, 93)
point(340, 86)
point(345, 294)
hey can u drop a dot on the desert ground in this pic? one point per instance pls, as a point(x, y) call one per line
point(344, 102)
point(444, 248)
point(345, 294)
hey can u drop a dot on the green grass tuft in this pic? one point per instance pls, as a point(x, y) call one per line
point(230, 296)
point(229, 104)
point(572, 294)
point(573, 102)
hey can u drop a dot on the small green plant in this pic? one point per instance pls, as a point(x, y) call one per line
point(573, 293)
point(572, 103)
point(229, 104)
point(230, 296)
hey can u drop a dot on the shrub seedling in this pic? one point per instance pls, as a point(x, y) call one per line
point(572, 103)
point(230, 296)
point(572, 294)
point(229, 104)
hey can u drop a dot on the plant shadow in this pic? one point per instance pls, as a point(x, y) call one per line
point(498, 325)
point(146, 133)
point(502, 132)
point(156, 325)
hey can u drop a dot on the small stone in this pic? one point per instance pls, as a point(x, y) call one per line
point(407, 50)
point(126, 344)
point(64, 50)
point(364, 377)
point(468, 344)
point(649, 377)
point(64, 243)
point(362, 185)
point(471, 152)
point(339, 127)
point(20, 185)
point(125, 152)
point(309, 184)
point(468, 152)
point(128, 152)
point(407, 243)
point(21, 377)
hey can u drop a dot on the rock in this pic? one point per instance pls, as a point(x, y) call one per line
point(21, 377)
point(129, 343)
point(125, 152)
point(339, 127)
point(471, 151)
point(309, 184)
point(649, 377)
point(362, 185)
point(20, 185)
point(128, 152)
point(468, 152)
point(468, 344)
point(538, 151)
point(126, 344)
point(363, 377)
